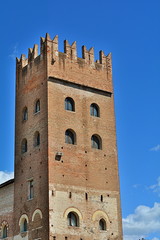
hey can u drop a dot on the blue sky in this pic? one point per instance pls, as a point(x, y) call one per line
point(131, 31)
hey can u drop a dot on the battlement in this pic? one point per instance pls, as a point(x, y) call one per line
point(49, 46)
point(65, 65)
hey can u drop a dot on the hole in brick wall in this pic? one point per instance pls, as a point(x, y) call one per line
point(58, 157)
point(105, 168)
point(61, 147)
point(108, 195)
point(30, 154)
point(111, 233)
point(104, 155)
point(85, 151)
point(54, 238)
point(39, 176)
point(66, 238)
point(52, 193)
point(30, 167)
point(101, 198)
point(86, 165)
point(70, 195)
point(86, 195)
point(40, 162)
point(63, 175)
point(86, 179)
point(22, 184)
point(21, 158)
point(21, 171)
point(62, 161)
point(39, 149)
point(106, 182)
point(110, 221)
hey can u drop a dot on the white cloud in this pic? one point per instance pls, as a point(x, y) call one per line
point(142, 222)
point(156, 148)
point(156, 187)
point(134, 237)
point(137, 237)
point(5, 176)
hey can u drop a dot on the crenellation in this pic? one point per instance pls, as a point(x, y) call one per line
point(91, 55)
point(70, 50)
point(30, 50)
point(49, 52)
point(88, 55)
point(109, 62)
point(42, 41)
point(55, 46)
point(74, 50)
point(102, 58)
point(35, 51)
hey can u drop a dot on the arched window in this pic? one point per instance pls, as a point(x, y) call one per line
point(70, 136)
point(73, 219)
point(69, 104)
point(96, 142)
point(25, 114)
point(37, 106)
point(4, 232)
point(102, 225)
point(94, 110)
point(24, 225)
point(24, 145)
point(36, 139)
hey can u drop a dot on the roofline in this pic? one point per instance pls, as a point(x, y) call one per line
point(7, 183)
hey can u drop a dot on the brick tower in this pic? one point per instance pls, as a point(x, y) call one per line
point(66, 171)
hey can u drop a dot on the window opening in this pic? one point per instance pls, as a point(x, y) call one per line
point(37, 139)
point(94, 110)
point(69, 104)
point(30, 189)
point(25, 226)
point(73, 219)
point(102, 224)
point(70, 195)
point(101, 198)
point(37, 106)
point(25, 114)
point(69, 137)
point(96, 142)
point(86, 194)
point(4, 233)
point(24, 146)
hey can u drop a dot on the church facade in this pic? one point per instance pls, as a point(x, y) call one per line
point(66, 184)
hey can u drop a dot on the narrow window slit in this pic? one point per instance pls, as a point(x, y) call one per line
point(86, 195)
point(101, 198)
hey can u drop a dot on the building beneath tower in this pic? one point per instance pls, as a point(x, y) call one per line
point(66, 184)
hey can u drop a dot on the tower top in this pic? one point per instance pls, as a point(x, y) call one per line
point(66, 65)
point(70, 51)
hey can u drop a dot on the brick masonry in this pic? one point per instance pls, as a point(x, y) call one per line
point(61, 186)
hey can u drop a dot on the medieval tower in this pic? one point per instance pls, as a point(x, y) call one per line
point(66, 184)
